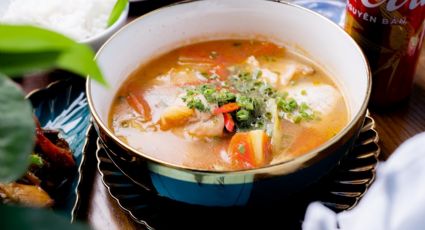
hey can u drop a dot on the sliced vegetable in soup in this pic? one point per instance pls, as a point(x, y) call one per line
point(228, 105)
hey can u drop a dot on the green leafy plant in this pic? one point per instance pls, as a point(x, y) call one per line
point(116, 11)
point(27, 49)
point(29, 218)
point(16, 131)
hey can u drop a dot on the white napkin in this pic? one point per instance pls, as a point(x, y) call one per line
point(396, 200)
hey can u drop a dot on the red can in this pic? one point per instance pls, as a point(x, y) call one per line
point(391, 34)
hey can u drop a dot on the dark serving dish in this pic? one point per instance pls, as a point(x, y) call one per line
point(62, 106)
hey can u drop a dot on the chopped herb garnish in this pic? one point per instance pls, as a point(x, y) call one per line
point(196, 103)
point(287, 105)
point(303, 92)
point(245, 102)
point(36, 160)
point(241, 148)
point(243, 115)
point(252, 94)
point(297, 119)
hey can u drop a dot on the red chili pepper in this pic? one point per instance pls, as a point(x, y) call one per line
point(227, 108)
point(228, 122)
point(56, 154)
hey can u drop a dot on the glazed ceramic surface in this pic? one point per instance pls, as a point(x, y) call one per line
point(62, 106)
point(339, 191)
point(162, 30)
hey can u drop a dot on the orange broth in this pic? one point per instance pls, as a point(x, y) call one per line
point(138, 111)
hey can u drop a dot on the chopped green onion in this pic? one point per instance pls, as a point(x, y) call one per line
point(36, 160)
point(241, 148)
point(245, 102)
point(196, 103)
point(242, 115)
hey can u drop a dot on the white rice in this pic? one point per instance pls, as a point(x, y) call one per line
point(78, 19)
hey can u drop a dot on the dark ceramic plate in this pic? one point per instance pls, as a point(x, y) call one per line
point(340, 190)
point(63, 106)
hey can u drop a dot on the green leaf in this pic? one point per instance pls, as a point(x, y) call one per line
point(13, 217)
point(17, 131)
point(15, 64)
point(16, 38)
point(79, 60)
point(116, 11)
point(25, 49)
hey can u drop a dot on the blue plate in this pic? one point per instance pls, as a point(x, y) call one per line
point(63, 106)
point(332, 9)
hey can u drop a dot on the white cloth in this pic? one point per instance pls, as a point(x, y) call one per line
point(396, 200)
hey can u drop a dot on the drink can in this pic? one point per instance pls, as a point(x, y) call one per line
point(391, 34)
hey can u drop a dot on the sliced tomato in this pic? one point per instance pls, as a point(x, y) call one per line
point(140, 105)
point(241, 152)
point(261, 145)
point(227, 108)
point(249, 149)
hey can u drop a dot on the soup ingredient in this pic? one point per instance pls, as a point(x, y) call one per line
point(78, 19)
point(174, 116)
point(209, 126)
point(139, 104)
point(229, 105)
point(228, 122)
point(227, 108)
point(249, 149)
point(244, 96)
point(313, 98)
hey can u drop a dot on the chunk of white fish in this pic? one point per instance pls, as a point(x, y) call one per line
point(213, 127)
point(284, 76)
point(290, 70)
point(319, 97)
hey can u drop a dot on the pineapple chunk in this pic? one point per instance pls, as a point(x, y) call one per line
point(175, 116)
point(260, 145)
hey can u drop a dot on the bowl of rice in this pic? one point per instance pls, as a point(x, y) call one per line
point(85, 21)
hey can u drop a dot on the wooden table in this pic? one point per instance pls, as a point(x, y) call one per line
point(394, 127)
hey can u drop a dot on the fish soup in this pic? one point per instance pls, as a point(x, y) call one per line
point(228, 105)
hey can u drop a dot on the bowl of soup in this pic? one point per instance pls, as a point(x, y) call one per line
point(229, 103)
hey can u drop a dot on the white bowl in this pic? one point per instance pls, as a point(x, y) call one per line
point(163, 30)
point(97, 40)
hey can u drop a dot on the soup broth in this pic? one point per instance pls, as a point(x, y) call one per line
point(228, 105)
